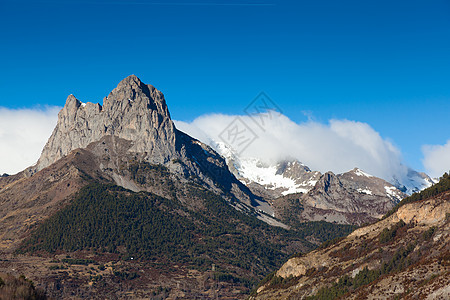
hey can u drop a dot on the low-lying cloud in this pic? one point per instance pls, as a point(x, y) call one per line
point(23, 134)
point(338, 146)
point(436, 159)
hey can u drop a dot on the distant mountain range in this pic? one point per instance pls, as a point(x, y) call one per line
point(354, 197)
point(289, 176)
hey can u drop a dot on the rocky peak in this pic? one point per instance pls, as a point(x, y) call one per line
point(364, 183)
point(131, 91)
point(350, 198)
point(327, 182)
point(292, 168)
point(133, 111)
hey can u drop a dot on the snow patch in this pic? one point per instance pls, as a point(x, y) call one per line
point(392, 192)
point(359, 172)
point(365, 191)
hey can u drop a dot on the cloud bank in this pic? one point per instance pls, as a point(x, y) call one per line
point(338, 146)
point(436, 159)
point(23, 134)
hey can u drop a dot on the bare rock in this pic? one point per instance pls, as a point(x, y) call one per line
point(132, 111)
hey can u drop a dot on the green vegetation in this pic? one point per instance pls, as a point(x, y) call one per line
point(77, 261)
point(107, 219)
point(110, 219)
point(388, 235)
point(225, 277)
point(57, 267)
point(442, 186)
point(126, 275)
point(328, 243)
point(429, 233)
point(346, 284)
point(324, 231)
point(19, 288)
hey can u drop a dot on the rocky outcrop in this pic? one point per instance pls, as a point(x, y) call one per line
point(133, 111)
point(349, 198)
point(353, 193)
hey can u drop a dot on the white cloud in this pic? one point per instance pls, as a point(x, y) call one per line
point(338, 146)
point(436, 159)
point(23, 134)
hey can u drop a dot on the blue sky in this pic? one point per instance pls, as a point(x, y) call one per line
point(379, 62)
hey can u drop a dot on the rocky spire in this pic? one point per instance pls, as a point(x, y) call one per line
point(133, 111)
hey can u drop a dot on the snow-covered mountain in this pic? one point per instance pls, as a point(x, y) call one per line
point(285, 177)
point(298, 194)
point(413, 182)
point(370, 185)
point(290, 176)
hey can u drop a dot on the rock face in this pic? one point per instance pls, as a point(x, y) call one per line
point(353, 197)
point(133, 111)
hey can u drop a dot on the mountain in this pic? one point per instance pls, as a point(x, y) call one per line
point(138, 113)
point(110, 143)
point(122, 204)
point(349, 198)
point(413, 182)
point(405, 255)
point(271, 180)
point(298, 194)
point(288, 176)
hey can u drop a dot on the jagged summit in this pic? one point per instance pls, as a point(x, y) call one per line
point(133, 111)
point(132, 91)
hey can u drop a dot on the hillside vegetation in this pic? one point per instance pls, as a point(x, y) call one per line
point(109, 220)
